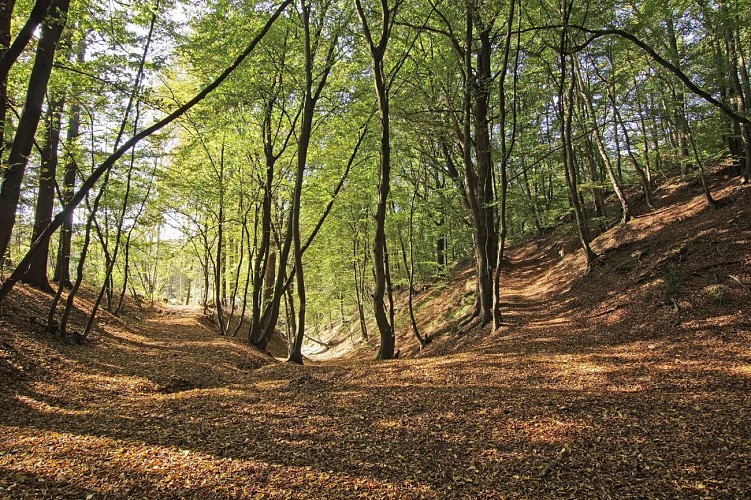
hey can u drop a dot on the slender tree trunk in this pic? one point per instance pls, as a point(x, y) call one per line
point(377, 48)
point(205, 269)
point(566, 104)
point(218, 272)
point(506, 150)
point(63, 329)
point(359, 282)
point(409, 267)
point(219, 262)
point(62, 267)
point(295, 353)
point(597, 136)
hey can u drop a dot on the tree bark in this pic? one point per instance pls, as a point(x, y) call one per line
point(36, 275)
point(380, 252)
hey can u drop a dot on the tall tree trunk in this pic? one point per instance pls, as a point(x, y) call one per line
point(506, 150)
point(566, 105)
point(487, 237)
point(37, 273)
point(62, 266)
point(303, 142)
point(478, 176)
point(377, 48)
point(205, 269)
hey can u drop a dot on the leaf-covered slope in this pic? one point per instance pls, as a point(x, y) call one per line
point(680, 257)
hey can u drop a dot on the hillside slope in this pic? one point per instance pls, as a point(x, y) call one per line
point(592, 388)
point(677, 255)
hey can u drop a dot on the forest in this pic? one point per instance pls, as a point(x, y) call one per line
point(538, 212)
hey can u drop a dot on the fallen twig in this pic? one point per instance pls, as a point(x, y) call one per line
point(565, 452)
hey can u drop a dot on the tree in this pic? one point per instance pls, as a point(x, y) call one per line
point(37, 272)
point(377, 47)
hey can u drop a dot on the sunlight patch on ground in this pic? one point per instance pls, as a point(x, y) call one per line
point(44, 407)
point(740, 370)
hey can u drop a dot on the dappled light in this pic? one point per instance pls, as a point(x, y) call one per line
point(351, 249)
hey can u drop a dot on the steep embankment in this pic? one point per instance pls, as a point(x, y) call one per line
point(597, 365)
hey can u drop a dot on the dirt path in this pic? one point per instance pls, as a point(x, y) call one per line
point(593, 365)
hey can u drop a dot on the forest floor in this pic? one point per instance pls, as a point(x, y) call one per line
point(594, 387)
